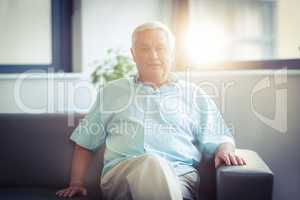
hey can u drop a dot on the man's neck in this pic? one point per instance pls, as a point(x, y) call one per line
point(154, 83)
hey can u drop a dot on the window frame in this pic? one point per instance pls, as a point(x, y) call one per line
point(61, 40)
point(293, 64)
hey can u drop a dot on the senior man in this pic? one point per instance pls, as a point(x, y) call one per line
point(155, 128)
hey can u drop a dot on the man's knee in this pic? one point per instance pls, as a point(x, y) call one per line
point(149, 166)
point(152, 158)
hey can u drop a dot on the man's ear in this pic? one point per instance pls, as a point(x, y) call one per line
point(132, 53)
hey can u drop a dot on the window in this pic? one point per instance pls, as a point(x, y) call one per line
point(35, 35)
point(230, 30)
point(226, 34)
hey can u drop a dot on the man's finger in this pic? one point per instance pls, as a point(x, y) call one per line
point(72, 192)
point(239, 160)
point(59, 192)
point(233, 159)
point(226, 159)
point(244, 162)
point(66, 193)
point(84, 192)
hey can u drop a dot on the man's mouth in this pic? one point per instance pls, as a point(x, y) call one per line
point(154, 65)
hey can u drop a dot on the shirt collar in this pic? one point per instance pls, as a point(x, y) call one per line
point(173, 78)
point(167, 87)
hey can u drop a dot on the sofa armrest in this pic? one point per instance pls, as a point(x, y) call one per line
point(253, 181)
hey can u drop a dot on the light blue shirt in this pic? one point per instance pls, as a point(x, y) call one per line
point(178, 122)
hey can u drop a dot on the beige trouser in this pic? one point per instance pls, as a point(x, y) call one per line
point(148, 177)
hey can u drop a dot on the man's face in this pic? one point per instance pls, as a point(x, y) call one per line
point(153, 55)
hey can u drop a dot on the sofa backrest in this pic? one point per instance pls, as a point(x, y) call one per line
point(36, 151)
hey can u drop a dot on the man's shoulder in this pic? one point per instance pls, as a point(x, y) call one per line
point(115, 95)
point(191, 86)
point(119, 85)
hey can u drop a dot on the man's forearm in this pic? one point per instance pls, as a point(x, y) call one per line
point(80, 164)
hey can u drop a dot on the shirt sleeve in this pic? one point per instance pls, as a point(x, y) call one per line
point(90, 133)
point(211, 128)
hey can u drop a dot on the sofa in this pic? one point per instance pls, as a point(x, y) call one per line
point(36, 156)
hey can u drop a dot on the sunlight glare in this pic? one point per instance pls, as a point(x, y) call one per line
point(206, 43)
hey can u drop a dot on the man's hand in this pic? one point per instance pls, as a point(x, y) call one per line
point(72, 190)
point(226, 155)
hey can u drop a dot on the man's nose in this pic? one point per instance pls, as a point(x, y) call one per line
point(153, 53)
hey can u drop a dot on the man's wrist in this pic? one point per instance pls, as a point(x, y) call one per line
point(226, 148)
point(76, 183)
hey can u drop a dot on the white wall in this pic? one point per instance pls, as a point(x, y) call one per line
point(109, 24)
point(45, 93)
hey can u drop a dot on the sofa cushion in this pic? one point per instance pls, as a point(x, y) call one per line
point(36, 194)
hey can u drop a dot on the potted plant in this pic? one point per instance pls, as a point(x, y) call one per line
point(114, 66)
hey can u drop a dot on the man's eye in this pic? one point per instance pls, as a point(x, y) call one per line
point(144, 48)
point(161, 48)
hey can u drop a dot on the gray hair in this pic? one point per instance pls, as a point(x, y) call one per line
point(154, 26)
